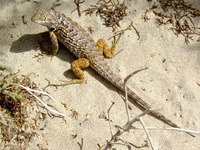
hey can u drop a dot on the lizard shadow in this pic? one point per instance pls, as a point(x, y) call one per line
point(24, 43)
point(40, 42)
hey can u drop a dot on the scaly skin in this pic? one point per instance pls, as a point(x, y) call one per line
point(75, 38)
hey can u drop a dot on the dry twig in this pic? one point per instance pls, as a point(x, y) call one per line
point(78, 2)
point(111, 11)
point(17, 123)
point(179, 14)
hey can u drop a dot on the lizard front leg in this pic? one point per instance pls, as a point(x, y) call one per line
point(54, 42)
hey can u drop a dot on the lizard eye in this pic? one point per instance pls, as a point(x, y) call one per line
point(43, 17)
point(51, 29)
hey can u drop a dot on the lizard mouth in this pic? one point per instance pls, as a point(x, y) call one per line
point(33, 19)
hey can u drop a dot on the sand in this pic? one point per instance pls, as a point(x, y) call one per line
point(171, 84)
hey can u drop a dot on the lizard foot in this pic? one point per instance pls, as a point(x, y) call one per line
point(72, 81)
point(68, 82)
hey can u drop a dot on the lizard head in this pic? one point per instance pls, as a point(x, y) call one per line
point(46, 17)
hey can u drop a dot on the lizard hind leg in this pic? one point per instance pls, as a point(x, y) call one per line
point(104, 48)
point(76, 68)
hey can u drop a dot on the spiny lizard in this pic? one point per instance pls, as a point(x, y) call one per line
point(80, 43)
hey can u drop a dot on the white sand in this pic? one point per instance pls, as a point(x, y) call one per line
point(170, 86)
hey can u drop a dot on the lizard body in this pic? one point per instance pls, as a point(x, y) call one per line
point(80, 43)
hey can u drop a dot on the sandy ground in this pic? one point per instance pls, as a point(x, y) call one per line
point(170, 85)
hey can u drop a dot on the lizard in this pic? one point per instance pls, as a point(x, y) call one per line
point(89, 54)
